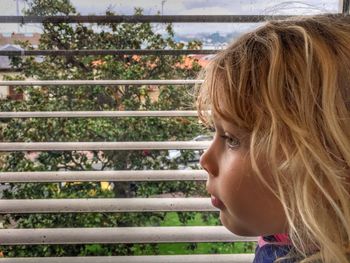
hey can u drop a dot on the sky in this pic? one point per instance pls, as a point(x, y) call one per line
point(184, 7)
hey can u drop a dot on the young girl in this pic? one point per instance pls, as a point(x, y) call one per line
point(279, 163)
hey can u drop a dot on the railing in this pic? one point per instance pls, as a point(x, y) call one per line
point(106, 205)
point(114, 235)
point(141, 19)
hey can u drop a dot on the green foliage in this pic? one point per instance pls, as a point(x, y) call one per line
point(97, 98)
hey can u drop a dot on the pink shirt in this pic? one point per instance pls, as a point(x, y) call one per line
point(281, 239)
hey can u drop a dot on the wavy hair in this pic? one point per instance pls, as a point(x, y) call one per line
point(287, 84)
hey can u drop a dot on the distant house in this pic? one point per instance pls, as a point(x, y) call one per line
point(33, 38)
point(7, 42)
point(6, 69)
point(4, 60)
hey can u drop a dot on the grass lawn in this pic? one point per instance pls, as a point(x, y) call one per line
point(172, 219)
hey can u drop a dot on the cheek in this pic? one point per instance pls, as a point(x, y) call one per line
point(250, 206)
point(238, 185)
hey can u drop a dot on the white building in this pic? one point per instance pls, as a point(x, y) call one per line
point(6, 69)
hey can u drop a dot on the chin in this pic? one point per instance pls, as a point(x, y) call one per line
point(242, 232)
point(237, 229)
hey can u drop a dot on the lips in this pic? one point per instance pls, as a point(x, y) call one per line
point(217, 202)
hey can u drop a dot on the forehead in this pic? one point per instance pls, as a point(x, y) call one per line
point(229, 126)
point(229, 97)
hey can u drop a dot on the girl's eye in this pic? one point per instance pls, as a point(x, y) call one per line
point(232, 142)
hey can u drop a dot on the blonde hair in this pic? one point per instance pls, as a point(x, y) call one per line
point(287, 84)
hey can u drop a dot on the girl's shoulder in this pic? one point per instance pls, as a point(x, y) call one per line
point(272, 247)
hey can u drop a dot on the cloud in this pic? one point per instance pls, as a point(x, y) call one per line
point(8, 8)
point(195, 4)
point(207, 11)
point(299, 7)
point(121, 6)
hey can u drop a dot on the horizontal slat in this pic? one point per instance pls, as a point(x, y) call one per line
point(24, 206)
point(98, 82)
point(119, 235)
point(99, 176)
point(97, 52)
point(70, 114)
point(205, 258)
point(82, 146)
point(141, 19)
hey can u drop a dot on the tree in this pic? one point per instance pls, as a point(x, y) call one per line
point(63, 98)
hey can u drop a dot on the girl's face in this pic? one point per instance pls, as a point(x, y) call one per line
point(247, 207)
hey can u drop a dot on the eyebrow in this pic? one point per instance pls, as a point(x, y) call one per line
point(231, 128)
point(215, 123)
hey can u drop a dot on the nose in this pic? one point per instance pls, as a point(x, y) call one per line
point(208, 160)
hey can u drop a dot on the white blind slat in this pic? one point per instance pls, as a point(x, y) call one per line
point(98, 82)
point(119, 235)
point(76, 114)
point(206, 258)
point(85, 146)
point(105, 205)
point(109, 176)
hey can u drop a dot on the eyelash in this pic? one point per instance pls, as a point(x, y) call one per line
point(227, 138)
point(212, 129)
